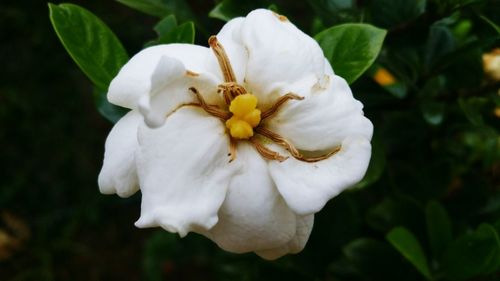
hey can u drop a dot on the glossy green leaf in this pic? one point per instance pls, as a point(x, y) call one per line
point(150, 7)
point(438, 228)
point(407, 244)
point(373, 258)
point(91, 44)
point(169, 32)
point(473, 254)
point(111, 112)
point(389, 13)
point(166, 25)
point(491, 23)
point(183, 33)
point(161, 8)
point(439, 43)
point(351, 48)
point(229, 9)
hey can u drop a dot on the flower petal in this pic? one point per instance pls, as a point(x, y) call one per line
point(306, 187)
point(169, 89)
point(118, 174)
point(326, 116)
point(184, 172)
point(253, 216)
point(279, 54)
point(295, 245)
point(134, 79)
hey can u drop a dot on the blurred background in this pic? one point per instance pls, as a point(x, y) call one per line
point(433, 96)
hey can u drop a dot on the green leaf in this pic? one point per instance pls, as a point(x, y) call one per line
point(166, 25)
point(91, 44)
point(473, 254)
point(183, 33)
point(376, 259)
point(111, 112)
point(94, 48)
point(491, 23)
point(150, 7)
point(439, 43)
point(407, 244)
point(169, 32)
point(351, 48)
point(438, 228)
point(389, 13)
point(472, 108)
point(161, 8)
point(433, 110)
point(229, 9)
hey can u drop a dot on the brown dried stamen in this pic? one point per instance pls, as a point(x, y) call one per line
point(210, 109)
point(230, 90)
point(277, 105)
point(223, 59)
point(291, 148)
point(232, 149)
point(266, 152)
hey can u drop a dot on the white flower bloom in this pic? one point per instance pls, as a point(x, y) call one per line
point(242, 142)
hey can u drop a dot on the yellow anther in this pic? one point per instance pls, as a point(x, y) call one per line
point(245, 116)
point(243, 104)
point(239, 129)
point(252, 118)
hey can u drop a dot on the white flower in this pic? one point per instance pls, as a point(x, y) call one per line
point(242, 142)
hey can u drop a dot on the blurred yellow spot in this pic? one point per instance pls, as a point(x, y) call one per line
point(245, 117)
point(384, 77)
point(491, 64)
point(497, 112)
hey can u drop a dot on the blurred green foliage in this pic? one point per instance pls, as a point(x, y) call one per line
point(428, 208)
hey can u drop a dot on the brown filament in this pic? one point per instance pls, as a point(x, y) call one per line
point(266, 152)
point(232, 149)
point(277, 105)
point(223, 59)
point(231, 90)
point(291, 148)
point(210, 109)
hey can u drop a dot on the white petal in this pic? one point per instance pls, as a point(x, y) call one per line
point(297, 244)
point(134, 79)
point(279, 54)
point(169, 89)
point(184, 172)
point(254, 216)
point(306, 187)
point(118, 174)
point(328, 68)
point(327, 115)
point(229, 38)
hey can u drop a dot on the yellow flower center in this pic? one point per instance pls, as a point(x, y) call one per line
point(245, 117)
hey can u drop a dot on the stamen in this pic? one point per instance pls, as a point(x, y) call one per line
point(291, 148)
point(279, 103)
point(210, 109)
point(266, 152)
point(231, 90)
point(223, 59)
point(232, 149)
